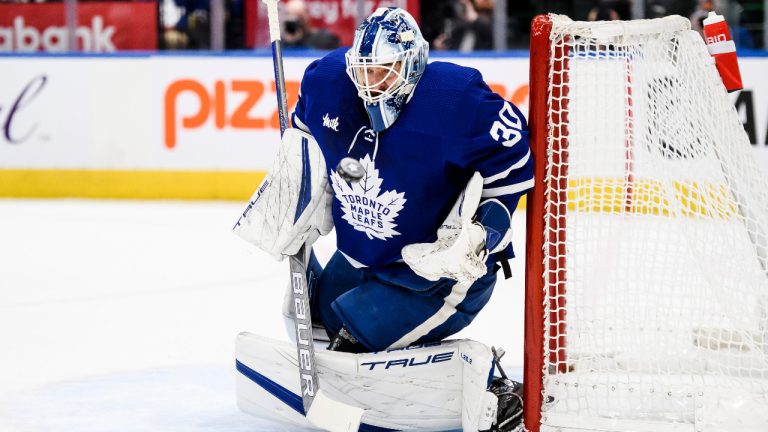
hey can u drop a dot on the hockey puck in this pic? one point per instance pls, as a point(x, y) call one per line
point(350, 170)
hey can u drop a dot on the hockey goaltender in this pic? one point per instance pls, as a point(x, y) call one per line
point(418, 167)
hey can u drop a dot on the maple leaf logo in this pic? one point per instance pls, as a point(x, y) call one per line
point(365, 208)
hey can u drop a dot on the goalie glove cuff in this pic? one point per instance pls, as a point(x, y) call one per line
point(496, 220)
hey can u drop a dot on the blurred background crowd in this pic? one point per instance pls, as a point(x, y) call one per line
point(460, 25)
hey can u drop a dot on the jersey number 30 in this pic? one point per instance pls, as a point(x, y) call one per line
point(508, 129)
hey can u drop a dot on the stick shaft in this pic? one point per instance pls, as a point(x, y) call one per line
point(277, 62)
point(282, 105)
point(331, 415)
point(298, 263)
point(303, 321)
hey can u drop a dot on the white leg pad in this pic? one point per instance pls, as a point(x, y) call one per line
point(478, 405)
point(437, 387)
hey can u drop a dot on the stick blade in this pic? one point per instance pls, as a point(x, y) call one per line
point(334, 416)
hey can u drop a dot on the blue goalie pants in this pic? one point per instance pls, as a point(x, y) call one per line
point(393, 305)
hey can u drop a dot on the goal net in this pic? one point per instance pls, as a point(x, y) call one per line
point(647, 280)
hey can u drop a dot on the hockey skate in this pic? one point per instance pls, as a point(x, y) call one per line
point(509, 413)
point(509, 417)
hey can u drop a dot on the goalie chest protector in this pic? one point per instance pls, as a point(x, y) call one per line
point(415, 169)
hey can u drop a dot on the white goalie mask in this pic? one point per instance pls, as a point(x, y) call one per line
point(387, 58)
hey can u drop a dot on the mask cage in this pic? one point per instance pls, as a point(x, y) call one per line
point(365, 73)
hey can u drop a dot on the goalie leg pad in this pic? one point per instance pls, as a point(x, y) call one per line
point(479, 406)
point(433, 387)
point(292, 206)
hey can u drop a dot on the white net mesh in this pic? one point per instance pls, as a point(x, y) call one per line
point(656, 271)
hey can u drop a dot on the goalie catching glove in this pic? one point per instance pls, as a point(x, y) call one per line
point(470, 233)
point(292, 206)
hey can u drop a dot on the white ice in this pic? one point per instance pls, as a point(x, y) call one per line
point(121, 315)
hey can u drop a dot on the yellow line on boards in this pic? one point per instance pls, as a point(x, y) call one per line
point(651, 197)
point(591, 194)
point(184, 185)
point(234, 185)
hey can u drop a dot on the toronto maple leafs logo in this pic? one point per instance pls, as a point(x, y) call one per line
point(365, 207)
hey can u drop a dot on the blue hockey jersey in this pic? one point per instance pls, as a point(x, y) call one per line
point(453, 126)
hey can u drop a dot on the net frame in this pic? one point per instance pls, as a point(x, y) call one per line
point(546, 349)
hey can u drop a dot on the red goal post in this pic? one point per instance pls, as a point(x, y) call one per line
point(535, 318)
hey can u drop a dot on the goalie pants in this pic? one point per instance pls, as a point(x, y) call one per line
point(394, 305)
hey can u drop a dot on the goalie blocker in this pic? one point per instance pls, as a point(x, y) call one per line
point(292, 206)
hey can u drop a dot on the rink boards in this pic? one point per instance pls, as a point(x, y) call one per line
point(186, 126)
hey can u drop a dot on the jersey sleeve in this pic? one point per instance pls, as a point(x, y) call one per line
point(324, 79)
point(497, 146)
point(298, 117)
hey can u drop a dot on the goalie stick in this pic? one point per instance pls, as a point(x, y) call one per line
point(319, 409)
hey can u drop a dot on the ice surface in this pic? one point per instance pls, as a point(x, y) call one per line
point(122, 315)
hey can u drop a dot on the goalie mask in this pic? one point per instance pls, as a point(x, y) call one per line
point(386, 60)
